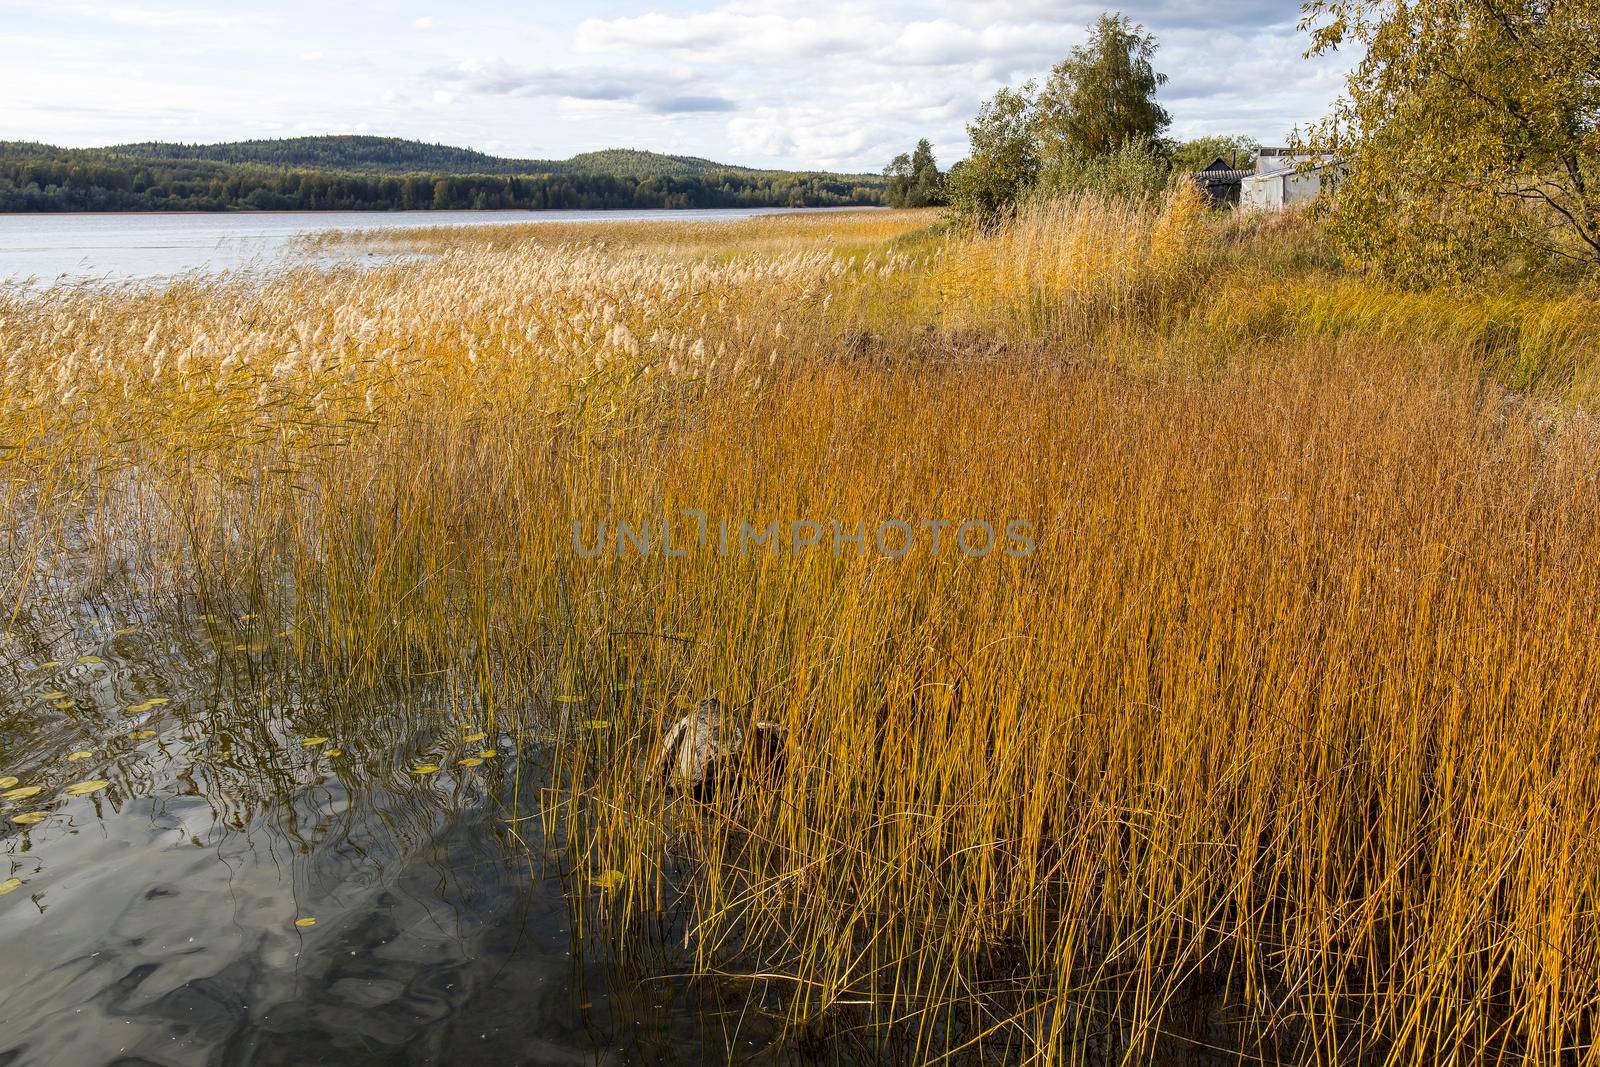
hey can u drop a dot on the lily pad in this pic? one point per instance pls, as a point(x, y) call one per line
point(29, 818)
point(83, 789)
point(22, 792)
point(8, 781)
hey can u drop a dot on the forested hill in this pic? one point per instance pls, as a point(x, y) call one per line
point(384, 173)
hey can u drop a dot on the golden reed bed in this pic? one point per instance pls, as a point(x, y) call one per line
point(1289, 713)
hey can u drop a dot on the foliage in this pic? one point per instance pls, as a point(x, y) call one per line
point(44, 178)
point(1471, 131)
point(1134, 169)
point(1004, 159)
point(1095, 126)
point(1197, 154)
point(1102, 96)
point(914, 179)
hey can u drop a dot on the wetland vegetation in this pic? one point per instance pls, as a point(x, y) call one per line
point(1280, 745)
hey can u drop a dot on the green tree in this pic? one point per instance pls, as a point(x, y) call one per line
point(1187, 156)
point(1003, 163)
point(914, 179)
point(1471, 131)
point(1102, 96)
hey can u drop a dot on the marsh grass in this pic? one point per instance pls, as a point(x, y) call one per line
point(1291, 714)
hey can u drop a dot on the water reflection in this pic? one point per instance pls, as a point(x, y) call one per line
point(156, 918)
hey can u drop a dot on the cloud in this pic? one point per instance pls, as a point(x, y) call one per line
point(831, 83)
point(673, 105)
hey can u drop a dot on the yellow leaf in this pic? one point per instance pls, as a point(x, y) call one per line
point(9, 884)
point(83, 789)
point(610, 879)
point(488, 753)
point(137, 708)
point(63, 705)
point(53, 696)
point(8, 781)
point(155, 701)
point(89, 659)
point(313, 742)
point(470, 738)
point(307, 921)
point(424, 768)
point(49, 663)
point(142, 735)
point(29, 818)
point(80, 755)
point(598, 724)
point(332, 752)
point(124, 631)
point(22, 793)
point(470, 761)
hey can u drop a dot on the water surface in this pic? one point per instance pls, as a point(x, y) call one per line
point(45, 248)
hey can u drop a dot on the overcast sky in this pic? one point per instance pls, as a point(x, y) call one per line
point(792, 83)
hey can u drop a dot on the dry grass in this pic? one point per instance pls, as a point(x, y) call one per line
point(1292, 712)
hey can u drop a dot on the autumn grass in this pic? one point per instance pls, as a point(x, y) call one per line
point(1283, 738)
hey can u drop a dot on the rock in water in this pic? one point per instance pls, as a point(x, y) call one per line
point(708, 746)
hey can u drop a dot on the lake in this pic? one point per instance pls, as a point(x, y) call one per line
point(48, 248)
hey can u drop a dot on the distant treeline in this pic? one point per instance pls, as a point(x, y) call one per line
point(43, 178)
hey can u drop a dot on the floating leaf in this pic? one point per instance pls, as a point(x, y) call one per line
point(29, 818)
point(124, 631)
point(49, 663)
point(488, 753)
point(470, 738)
point(332, 752)
point(23, 792)
point(610, 879)
point(425, 768)
point(470, 761)
point(90, 659)
point(80, 755)
point(83, 789)
point(307, 921)
point(8, 781)
point(142, 735)
point(156, 701)
point(63, 705)
point(53, 696)
point(313, 742)
point(9, 884)
point(246, 618)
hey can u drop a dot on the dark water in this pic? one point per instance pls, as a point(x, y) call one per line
point(156, 919)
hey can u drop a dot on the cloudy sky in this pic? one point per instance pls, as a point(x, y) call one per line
point(803, 83)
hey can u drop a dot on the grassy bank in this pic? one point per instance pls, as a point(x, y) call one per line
point(1281, 738)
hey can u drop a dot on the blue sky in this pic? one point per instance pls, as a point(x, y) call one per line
point(804, 83)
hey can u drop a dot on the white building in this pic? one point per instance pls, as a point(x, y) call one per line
point(1282, 179)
